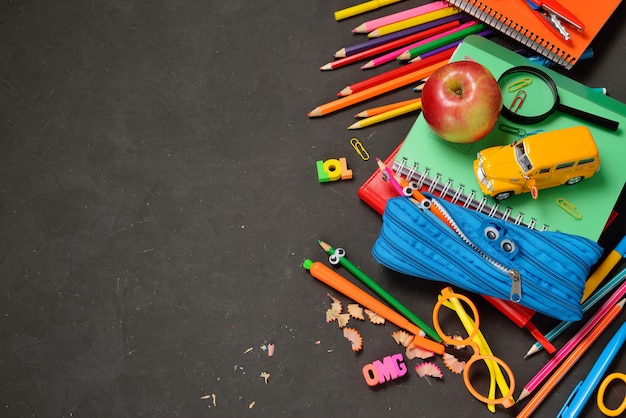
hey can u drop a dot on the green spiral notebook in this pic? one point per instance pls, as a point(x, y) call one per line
point(425, 158)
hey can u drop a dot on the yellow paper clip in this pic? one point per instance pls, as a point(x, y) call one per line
point(518, 100)
point(569, 208)
point(360, 149)
point(519, 84)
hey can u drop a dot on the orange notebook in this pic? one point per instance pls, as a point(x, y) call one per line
point(517, 20)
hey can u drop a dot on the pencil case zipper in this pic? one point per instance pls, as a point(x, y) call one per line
point(537, 288)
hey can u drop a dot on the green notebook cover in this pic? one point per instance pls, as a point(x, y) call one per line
point(423, 153)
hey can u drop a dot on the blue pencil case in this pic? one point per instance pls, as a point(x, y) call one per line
point(542, 270)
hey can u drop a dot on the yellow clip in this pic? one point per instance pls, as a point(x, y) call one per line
point(360, 149)
point(569, 208)
point(519, 84)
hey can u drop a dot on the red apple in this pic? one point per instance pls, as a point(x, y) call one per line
point(461, 101)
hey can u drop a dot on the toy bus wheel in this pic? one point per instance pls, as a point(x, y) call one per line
point(574, 180)
point(503, 195)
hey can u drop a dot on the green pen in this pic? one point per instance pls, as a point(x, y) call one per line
point(356, 272)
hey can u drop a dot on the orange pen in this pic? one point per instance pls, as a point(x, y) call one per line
point(333, 279)
point(571, 360)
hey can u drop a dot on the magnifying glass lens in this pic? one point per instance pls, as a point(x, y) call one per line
point(526, 95)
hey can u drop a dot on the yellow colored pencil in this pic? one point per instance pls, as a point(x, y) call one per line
point(414, 21)
point(387, 115)
point(373, 111)
point(362, 8)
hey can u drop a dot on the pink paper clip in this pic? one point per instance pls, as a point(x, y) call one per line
point(518, 100)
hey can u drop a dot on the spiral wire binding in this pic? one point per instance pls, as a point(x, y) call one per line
point(434, 185)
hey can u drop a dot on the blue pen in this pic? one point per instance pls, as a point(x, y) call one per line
point(580, 395)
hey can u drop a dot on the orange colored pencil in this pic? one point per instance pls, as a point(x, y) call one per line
point(395, 73)
point(374, 91)
point(368, 113)
point(571, 360)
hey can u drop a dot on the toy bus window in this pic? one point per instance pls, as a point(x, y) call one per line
point(586, 161)
point(564, 165)
point(544, 170)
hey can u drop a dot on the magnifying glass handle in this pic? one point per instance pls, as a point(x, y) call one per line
point(589, 117)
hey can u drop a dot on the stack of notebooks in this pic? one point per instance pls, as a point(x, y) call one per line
point(446, 169)
point(517, 20)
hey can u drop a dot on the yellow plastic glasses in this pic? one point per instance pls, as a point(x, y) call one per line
point(482, 352)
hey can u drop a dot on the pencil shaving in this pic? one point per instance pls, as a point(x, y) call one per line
point(354, 337)
point(402, 338)
point(374, 317)
point(428, 369)
point(413, 351)
point(453, 364)
point(342, 320)
point(270, 349)
point(335, 309)
point(265, 376)
point(355, 311)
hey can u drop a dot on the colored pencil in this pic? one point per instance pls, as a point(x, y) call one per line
point(367, 113)
point(370, 25)
point(374, 42)
point(588, 304)
point(558, 374)
point(457, 34)
point(362, 8)
point(396, 72)
point(618, 253)
point(374, 91)
point(573, 342)
point(414, 21)
point(387, 115)
point(484, 33)
point(427, 44)
point(410, 40)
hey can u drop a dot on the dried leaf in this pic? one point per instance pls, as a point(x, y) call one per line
point(343, 319)
point(428, 369)
point(354, 337)
point(374, 317)
point(453, 363)
point(355, 311)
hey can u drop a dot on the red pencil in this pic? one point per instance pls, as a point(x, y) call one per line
point(389, 46)
point(397, 72)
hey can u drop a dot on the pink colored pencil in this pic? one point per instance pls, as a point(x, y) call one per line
point(370, 25)
point(573, 342)
point(391, 56)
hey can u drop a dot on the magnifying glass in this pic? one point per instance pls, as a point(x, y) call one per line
point(529, 96)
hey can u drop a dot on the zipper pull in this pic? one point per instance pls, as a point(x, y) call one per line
point(516, 286)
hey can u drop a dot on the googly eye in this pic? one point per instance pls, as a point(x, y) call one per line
point(407, 191)
point(340, 252)
point(334, 259)
point(492, 233)
point(413, 185)
point(507, 245)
